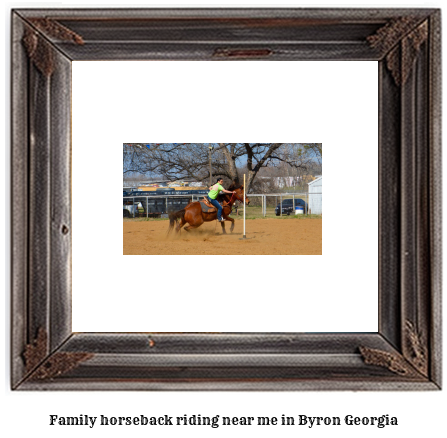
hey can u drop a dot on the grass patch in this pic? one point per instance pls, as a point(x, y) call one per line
point(285, 217)
point(255, 212)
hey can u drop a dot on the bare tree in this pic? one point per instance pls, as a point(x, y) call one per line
point(191, 160)
point(315, 149)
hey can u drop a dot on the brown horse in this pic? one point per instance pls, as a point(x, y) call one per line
point(194, 216)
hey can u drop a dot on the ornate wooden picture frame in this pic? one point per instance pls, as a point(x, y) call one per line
point(405, 353)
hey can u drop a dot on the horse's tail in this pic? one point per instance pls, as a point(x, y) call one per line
point(174, 216)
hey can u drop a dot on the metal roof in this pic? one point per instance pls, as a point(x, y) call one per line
point(315, 180)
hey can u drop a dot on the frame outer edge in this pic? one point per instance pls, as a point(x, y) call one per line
point(19, 200)
point(40, 283)
point(435, 137)
point(238, 386)
point(350, 13)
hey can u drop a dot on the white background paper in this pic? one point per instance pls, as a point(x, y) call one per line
point(419, 413)
point(335, 103)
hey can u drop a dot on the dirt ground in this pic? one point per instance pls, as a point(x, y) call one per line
point(264, 236)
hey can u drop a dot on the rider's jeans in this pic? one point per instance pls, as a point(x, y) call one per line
point(218, 206)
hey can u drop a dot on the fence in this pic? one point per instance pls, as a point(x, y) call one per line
point(280, 204)
point(155, 205)
point(261, 205)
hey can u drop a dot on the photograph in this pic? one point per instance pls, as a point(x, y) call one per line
point(222, 198)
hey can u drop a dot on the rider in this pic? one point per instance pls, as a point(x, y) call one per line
point(212, 197)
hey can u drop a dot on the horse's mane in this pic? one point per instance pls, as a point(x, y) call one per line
point(222, 197)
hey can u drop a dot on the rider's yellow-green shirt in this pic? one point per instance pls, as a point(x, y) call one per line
point(215, 190)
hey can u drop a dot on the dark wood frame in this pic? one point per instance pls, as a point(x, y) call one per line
point(405, 354)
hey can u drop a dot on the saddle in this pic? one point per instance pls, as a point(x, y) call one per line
point(206, 206)
point(207, 203)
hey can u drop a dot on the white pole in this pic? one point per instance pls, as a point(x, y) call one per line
point(244, 208)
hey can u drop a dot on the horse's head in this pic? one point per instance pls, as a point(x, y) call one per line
point(240, 195)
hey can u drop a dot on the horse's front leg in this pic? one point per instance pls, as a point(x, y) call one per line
point(232, 223)
point(227, 218)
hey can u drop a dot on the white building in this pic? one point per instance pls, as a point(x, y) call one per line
point(287, 181)
point(316, 196)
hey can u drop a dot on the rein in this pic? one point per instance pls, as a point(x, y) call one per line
point(233, 195)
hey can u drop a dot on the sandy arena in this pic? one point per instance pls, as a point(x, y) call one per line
point(264, 236)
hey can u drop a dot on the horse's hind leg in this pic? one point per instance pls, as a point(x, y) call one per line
point(194, 222)
point(180, 225)
point(191, 227)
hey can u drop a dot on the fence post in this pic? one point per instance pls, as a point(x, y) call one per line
point(280, 205)
point(147, 207)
